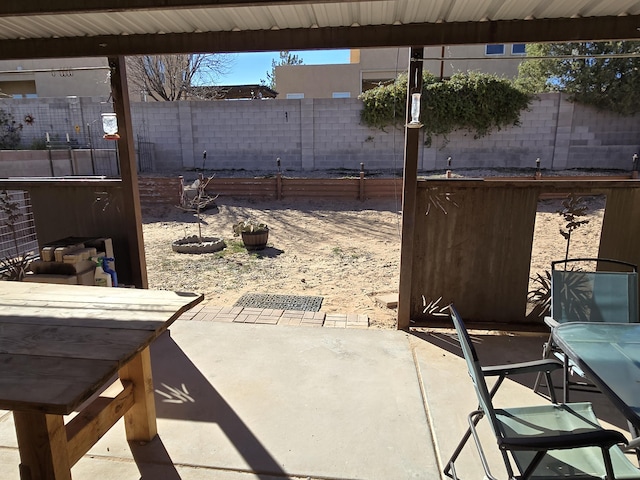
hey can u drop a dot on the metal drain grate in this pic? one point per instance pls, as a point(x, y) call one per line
point(279, 302)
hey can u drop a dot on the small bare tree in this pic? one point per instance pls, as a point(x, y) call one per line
point(573, 207)
point(172, 77)
point(199, 200)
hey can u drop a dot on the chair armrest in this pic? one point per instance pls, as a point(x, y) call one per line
point(598, 438)
point(534, 366)
point(551, 323)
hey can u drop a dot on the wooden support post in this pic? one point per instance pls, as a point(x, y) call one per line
point(127, 160)
point(140, 420)
point(361, 191)
point(410, 188)
point(42, 440)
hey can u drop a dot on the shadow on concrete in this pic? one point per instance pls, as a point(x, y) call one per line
point(154, 451)
point(183, 393)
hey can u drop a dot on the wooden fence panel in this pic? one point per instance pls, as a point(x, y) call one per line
point(168, 191)
point(336, 188)
point(160, 191)
point(264, 188)
point(382, 188)
point(473, 248)
point(621, 226)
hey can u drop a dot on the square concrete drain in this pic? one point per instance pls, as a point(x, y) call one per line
point(280, 302)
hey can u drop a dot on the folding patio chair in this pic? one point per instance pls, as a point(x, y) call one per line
point(588, 296)
point(540, 442)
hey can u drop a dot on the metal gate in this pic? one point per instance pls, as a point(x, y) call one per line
point(145, 155)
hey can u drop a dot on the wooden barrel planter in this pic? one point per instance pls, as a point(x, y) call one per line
point(255, 240)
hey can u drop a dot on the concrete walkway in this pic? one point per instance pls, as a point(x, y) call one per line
point(238, 401)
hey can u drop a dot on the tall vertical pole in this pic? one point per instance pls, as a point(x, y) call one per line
point(128, 171)
point(409, 191)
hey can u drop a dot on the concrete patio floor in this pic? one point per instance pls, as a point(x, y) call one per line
point(240, 401)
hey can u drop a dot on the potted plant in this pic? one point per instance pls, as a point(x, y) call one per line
point(254, 234)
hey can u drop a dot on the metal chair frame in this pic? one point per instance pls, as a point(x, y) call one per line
point(561, 313)
point(544, 428)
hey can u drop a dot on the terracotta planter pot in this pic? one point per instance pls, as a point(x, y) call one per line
point(255, 240)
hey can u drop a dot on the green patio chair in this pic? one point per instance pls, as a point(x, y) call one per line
point(547, 442)
point(588, 296)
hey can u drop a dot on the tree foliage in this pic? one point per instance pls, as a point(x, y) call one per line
point(172, 77)
point(471, 101)
point(286, 58)
point(606, 83)
point(10, 131)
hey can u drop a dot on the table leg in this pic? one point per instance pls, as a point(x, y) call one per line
point(140, 420)
point(42, 441)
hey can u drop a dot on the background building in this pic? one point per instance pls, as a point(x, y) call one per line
point(81, 77)
point(373, 66)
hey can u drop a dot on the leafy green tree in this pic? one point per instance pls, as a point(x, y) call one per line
point(601, 80)
point(472, 101)
point(286, 58)
point(9, 131)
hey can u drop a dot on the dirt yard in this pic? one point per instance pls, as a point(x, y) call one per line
point(346, 252)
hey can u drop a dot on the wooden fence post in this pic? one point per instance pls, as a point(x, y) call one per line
point(279, 186)
point(278, 180)
point(361, 191)
point(182, 200)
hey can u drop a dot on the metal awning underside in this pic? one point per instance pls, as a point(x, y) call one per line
point(70, 28)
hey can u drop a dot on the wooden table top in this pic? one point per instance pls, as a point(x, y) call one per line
point(59, 344)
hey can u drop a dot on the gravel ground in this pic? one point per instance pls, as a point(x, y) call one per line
point(346, 252)
point(343, 251)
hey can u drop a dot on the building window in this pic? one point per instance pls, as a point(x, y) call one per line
point(518, 49)
point(497, 49)
point(294, 96)
point(341, 95)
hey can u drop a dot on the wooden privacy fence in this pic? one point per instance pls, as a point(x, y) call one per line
point(168, 191)
point(473, 239)
point(156, 191)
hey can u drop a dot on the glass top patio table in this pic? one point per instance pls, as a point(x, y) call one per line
point(609, 354)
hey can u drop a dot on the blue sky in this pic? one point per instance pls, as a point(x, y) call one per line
point(250, 68)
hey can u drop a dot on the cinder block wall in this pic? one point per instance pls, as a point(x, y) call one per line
point(320, 134)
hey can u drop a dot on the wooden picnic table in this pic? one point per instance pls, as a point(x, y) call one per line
point(60, 345)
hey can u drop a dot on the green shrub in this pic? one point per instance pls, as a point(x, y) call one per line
point(476, 102)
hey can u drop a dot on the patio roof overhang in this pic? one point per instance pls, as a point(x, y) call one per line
point(72, 28)
point(115, 28)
